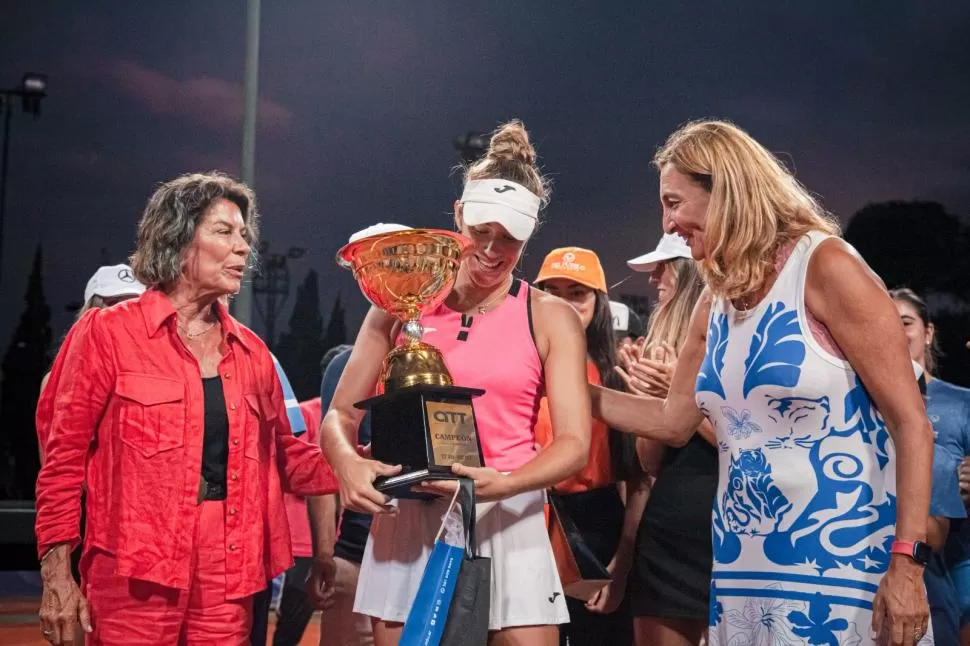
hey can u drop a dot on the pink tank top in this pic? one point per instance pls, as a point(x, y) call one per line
point(497, 353)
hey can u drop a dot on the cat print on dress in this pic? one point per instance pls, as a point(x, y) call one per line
point(805, 511)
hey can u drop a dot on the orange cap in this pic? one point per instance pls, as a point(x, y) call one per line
point(575, 264)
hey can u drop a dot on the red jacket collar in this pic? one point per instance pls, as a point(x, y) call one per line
point(158, 310)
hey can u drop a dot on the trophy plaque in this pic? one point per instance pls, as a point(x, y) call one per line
point(419, 418)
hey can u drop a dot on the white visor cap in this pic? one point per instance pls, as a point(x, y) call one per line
point(670, 246)
point(507, 203)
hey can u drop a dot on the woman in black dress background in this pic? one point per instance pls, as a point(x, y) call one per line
point(671, 575)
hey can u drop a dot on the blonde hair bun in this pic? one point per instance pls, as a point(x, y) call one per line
point(510, 142)
point(511, 157)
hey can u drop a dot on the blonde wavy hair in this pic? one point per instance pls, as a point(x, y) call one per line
point(756, 204)
point(669, 322)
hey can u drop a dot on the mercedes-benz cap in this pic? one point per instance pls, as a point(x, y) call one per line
point(112, 281)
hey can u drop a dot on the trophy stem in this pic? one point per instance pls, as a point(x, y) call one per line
point(413, 332)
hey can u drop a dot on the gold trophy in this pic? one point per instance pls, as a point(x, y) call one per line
point(419, 418)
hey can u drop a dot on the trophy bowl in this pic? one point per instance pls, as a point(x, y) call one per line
point(419, 418)
point(407, 273)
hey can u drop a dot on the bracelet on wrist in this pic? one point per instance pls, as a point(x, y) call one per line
point(49, 551)
point(52, 548)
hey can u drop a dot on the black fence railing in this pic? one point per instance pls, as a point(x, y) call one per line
point(18, 544)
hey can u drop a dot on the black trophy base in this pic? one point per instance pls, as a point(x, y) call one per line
point(425, 429)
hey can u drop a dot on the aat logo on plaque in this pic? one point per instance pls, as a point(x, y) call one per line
point(419, 418)
point(453, 435)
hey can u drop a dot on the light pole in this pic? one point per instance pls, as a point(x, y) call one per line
point(242, 304)
point(273, 284)
point(32, 89)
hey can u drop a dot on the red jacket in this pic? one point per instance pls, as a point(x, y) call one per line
point(123, 412)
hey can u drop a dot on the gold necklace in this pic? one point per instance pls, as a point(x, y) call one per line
point(746, 301)
point(483, 307)
point(190, 336)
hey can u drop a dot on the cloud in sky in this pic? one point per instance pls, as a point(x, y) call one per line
point(207, 101)
point(361, 100)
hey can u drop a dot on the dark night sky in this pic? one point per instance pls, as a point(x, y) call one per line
point(361, 100)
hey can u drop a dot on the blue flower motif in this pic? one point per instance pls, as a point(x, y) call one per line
point(740, 425)
point(817, 628)
point(709, 376)
point(777, 350)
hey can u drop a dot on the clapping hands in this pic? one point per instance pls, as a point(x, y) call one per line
point(648, 372)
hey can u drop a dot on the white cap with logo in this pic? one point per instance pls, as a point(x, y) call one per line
point(112, 281)
point(507, 203)
point(670, 246)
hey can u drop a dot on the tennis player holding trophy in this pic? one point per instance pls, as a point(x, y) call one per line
point(452, 325)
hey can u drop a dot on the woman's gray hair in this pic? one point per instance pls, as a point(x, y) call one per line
point(174, 210)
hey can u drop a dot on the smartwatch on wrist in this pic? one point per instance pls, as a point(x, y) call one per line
point(916, 550)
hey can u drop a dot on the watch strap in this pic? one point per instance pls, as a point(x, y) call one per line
point(910, 549)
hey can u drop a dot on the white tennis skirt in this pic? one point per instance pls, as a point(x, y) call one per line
point(526, 590)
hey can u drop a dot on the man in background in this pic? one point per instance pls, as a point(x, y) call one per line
point(340, 546)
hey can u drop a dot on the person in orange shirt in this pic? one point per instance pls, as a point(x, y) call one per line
point(592, 498)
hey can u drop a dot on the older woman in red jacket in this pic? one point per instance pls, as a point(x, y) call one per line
point(171, 413)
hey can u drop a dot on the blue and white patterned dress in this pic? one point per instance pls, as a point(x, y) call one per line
point(806, 505)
